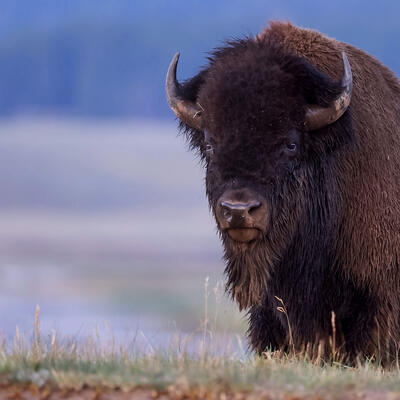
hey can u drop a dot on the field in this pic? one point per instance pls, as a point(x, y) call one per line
point(105, 225)
point(193, 366)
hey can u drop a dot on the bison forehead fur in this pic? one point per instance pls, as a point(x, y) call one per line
point(321, 207)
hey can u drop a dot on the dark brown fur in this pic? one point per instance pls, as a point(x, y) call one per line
point(333, 239)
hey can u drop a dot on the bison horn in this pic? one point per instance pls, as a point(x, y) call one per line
point(317, 117)
point(187, 111)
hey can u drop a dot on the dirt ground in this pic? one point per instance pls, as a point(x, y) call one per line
point(18, 392)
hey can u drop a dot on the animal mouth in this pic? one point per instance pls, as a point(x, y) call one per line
point(243, 235)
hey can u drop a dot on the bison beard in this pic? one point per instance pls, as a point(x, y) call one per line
point(302, 155)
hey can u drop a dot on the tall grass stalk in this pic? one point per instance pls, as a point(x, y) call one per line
point(205, 319)
point(283, 310)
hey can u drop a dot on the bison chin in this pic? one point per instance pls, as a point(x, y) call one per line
point(244, 235)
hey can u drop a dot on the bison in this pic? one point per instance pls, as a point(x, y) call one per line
point(300, 138)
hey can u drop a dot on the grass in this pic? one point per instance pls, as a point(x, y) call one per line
point(49, 365)
point(194, 366)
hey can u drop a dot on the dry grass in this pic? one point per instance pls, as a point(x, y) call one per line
point(194, 366)
point(50, 366)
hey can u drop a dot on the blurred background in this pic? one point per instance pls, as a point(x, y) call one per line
point(103, 215)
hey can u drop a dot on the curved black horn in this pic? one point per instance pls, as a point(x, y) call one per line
point(318, 117)
point(187, 111)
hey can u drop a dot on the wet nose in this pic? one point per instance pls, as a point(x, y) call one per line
point(241, 209)
point(236, 212)
point(243, 214)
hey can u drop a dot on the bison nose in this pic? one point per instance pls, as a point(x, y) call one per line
point(238, 211)
point(242, 214)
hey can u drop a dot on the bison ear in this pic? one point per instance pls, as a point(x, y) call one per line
point(327, 100)
point(182, 97)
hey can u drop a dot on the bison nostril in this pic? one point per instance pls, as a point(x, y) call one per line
point(226, 212)
point(253, 206)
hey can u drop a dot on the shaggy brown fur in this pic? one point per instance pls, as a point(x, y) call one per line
point(333, 238)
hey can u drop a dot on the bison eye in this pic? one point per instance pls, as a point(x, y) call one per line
point(209, 149)
point(292, 147)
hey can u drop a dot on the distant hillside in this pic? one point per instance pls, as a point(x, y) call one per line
point(107, 58)
point(96, 166)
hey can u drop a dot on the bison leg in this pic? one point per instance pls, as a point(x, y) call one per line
point(265, 330)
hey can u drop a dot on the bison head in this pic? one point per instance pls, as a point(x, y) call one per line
point(259, 118)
